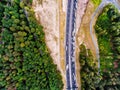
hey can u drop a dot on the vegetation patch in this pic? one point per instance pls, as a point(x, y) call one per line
point(89, 70)
point(96, 2)
point(108, 33)
point(25, 62)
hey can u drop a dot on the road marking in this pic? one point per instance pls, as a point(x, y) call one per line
point(67, 67)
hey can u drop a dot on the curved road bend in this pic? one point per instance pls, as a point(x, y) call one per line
point(95, 14)
point(70, 46)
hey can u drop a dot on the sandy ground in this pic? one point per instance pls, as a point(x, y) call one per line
point(85, 25)
point(84, 32)
point(49, 14)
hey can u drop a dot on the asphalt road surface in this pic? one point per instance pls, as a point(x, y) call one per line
point(70, 45)
point(70, 39)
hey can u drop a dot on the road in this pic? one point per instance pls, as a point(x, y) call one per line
point(70, 45)
point(70, 39)
point(95, 14)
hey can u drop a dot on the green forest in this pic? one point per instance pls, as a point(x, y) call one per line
point(108, 33)
point(25, 62)
point(107, 29)
point(88, 69)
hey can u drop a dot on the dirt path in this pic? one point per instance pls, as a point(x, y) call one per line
point(62, 22)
